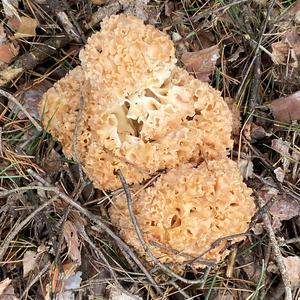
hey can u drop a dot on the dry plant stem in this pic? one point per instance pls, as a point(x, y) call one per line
point(180, 290)
point(6, 193)
point(97, 221)
point(140, 236)
point(290, 241)
point(31, 59)
point(107, 264)
point(253, 101)
point(214, 245)
point(111, 9)
point(79, 30)
point(22, 108)
point(277, 254)
point(222, 9)
point(16, 229)
point(1, 147)
point(58, 247)
point(34, 280)
point(257, 50)
point(205, 276)
point(68, 26)
point(75, 137)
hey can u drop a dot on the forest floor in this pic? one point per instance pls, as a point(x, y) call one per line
point(248, 50)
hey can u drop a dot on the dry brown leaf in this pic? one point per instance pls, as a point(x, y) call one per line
point(246, 168)
point(98, 2)
point(286, 109)
point(4, 284)
point(29, 261)
point(7, 53)
point(287, 50)
point(6, 290)
point(66, 281)
point(30, 98)
point(7, 49)
point(283, 207)
point(71, 237)
point(292, 264)
point(25, 27)
point(280, 174)
point(201, 63)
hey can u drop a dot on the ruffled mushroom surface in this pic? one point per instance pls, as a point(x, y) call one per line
point(158, 129)
point(59, 109)
point(142, 114)
point(188, 209)
point(125, 57)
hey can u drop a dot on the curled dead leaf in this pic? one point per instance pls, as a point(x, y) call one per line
point(292, 264)
point(29, 261)
point(246, 168)
point(283, 207)
point(24, 26)
point(6, 290)
point(7, 49)
point(64, 281)
point(287, 50)
point(30, 96)
point(8, 52)
point(286, 109)
point(201, 63)
point(280, 174)
point(71, 237)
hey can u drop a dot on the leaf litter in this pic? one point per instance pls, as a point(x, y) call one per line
point(216, 42)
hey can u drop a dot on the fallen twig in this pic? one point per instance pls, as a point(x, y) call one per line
point(16, 229)
point(97, 221)
point(277, 253)
point(22, 108)
point(31, 59)
point(141, 239)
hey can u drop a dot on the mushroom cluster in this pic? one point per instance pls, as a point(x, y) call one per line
point(133, 109)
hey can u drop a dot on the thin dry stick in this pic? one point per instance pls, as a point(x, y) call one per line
point(179, 290)
point(74, 21)
point(1, 148)
point(257, 49)
point(6, 193)
point(75, 136)
point(38, 55)
point(22, 108)
point(19, 227)
point(68, 26)
point(106, 263)
point(34, 280)
point(140, 236)
point(277, 254)
point(97, 221)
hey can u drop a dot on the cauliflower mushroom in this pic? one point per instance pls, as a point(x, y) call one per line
point(142, 114)
point(158, 129)
point(186, 210)
point(125, 57)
